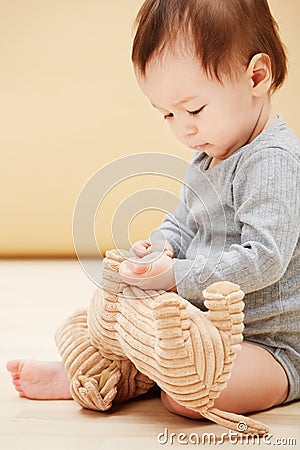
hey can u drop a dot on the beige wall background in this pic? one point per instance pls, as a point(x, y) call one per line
point(69, 105)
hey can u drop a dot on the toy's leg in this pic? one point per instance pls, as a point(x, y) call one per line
point(98, 368)
point(170, 345)
point(258, 382)
point(102, 319)
point(187, 352)
point(95, 380)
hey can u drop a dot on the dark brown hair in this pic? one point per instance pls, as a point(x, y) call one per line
point(219, 32)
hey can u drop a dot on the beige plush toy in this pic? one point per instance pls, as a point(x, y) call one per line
point(129, 339)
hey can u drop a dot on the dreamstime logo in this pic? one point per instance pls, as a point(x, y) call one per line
point(202, 194)
point(236, 438)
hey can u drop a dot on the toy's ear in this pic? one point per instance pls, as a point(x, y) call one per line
point(259, 71)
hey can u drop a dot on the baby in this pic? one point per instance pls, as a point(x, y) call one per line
point(210, 67)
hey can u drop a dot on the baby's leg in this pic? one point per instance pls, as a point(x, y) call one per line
point(257, 382)
point(40, 380)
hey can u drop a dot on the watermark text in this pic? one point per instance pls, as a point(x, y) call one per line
point(167, 437)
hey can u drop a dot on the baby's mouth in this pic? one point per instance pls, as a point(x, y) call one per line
point(201, 146)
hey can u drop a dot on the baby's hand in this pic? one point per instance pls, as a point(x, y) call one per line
point(145, 247)
point(154, 271)
point(141, 248)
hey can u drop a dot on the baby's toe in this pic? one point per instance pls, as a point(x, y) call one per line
point(13, 366)
point(18, 388)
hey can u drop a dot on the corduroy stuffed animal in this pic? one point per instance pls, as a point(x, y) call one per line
point(128, 339)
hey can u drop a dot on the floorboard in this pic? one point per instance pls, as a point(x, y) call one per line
point(35, 297)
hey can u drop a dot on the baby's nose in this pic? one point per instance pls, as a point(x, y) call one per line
point(184, 130)
point(189, 132)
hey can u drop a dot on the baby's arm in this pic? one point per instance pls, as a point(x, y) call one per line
point(266, 201)
point(267, 209)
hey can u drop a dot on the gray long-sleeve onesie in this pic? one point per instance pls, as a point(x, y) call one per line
point(240, 221)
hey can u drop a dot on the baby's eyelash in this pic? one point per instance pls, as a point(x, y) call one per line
point(193, 113)
point(197, 111)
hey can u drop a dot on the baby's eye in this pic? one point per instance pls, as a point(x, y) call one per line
point(168, 116)
point(197, 111)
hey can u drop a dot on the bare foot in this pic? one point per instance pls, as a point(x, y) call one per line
point(40, 380)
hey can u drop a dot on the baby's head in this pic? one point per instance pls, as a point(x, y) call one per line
point(196, 49)
point(222, 34)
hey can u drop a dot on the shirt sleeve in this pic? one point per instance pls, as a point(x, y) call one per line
point(266, 200)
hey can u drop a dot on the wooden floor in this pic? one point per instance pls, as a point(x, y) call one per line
point(35, 297)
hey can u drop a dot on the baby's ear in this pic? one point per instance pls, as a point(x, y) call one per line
point(260, 73)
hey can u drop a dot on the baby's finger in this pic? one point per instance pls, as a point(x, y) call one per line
point(141, 248)
point(130, 269)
